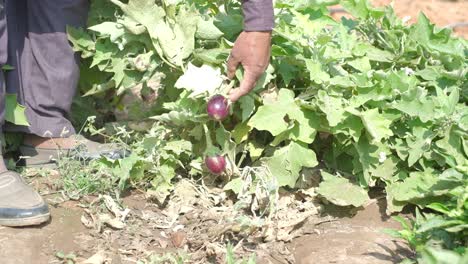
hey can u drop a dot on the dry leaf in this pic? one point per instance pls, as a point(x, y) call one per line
point(114, 207)
point(112, 222)
point(178, 239)
point(87, 222)
point(98, 258)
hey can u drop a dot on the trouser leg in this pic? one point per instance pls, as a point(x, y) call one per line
point(3, 59)
point(46, 72)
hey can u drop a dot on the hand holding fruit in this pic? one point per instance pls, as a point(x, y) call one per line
point(252, 51)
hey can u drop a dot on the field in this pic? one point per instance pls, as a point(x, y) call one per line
point(339, 236)
point(335, 179)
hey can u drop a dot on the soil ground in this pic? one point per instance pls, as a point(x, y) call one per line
point(357, 239)
point(83, 230)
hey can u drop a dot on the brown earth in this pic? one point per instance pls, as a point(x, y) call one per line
point(355, 240)
point(335, 237)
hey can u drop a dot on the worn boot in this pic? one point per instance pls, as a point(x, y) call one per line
point(37, 151)
point(20, 205)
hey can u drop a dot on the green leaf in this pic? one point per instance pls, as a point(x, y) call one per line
point(361, 9)
point(283, 112)
point(179, 146)
point(173, 41)
point(230, 25)
point(424, 33)
point(7, 67)
point(105, 50)
point(393, 205)
point(124, 170)
point(401, 82)
point(352, 126)
point(178, 118)
point(358, 8)
point(387, 169)
point(306, 126)
point(223, 138)
point(429, 73)
point(422, 108)
point(376, 124)
point(368, 155)
point(227, 145)
point(14, 112)
point(145, 12)
point(60, 255)
point(255, 150)
point(81, 41)
point(207, 30)
point(287, 71)
point(247, 104)
point(431, 255)
point(118, 67)
point(451, 148)
point(304, 4)
point(332, 106)
point(161, 184)
point(447, 102)
point(317, 73)
point(286, 162)
point(441, 208)
point(419, 185)
point(372, 53)
point(234, 185)
point(241, 132)
point(312, 24)
point(212, 56)
point(262, 120)
point(361, 64)
point(341, 191)
point(342, 81)
point(265, 79)
point(419, 142)
point(99, 11)
point(111, 29)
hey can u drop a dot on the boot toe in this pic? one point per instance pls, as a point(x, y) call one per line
point(20, 205)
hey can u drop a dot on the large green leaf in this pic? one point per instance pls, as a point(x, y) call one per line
point(111, 29)
point(341, 191)
point(376, 124)
point(332, 106)
point(286, 162)
point(421, 185)
point(424, 33)
point(207, 30)
point(273, 117)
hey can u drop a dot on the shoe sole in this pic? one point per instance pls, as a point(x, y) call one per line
point(30, 221)
point(38, 159)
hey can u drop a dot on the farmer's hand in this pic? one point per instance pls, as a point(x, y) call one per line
point(252, 50)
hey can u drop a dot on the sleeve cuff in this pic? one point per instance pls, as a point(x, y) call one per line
point(258, 15)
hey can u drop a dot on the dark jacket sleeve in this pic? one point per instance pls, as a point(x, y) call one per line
point(258, 15)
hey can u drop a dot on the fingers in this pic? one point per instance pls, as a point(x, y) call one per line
point(232, 64)
point(247, 84)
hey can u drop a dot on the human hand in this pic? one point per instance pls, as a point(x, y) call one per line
point(252, 51)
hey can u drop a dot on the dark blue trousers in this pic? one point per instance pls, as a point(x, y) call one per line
point(45, 71)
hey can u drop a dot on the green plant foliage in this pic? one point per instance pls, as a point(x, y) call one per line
point(392, 98)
